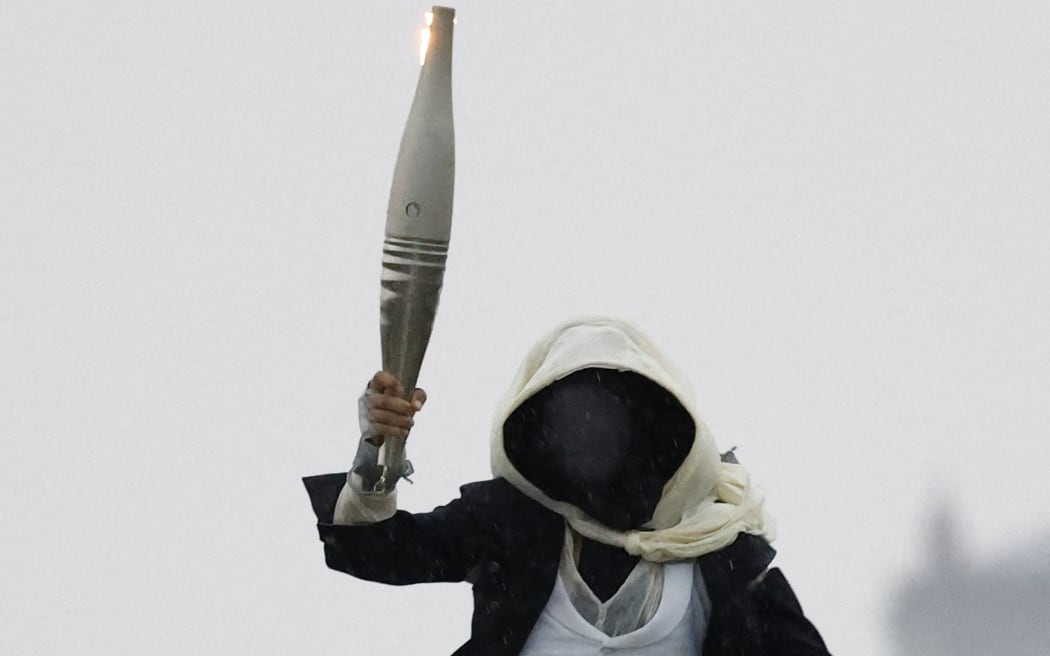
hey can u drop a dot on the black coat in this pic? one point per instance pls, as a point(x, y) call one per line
point(509, 547)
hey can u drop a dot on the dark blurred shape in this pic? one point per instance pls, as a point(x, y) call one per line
point(603, 440)
point(954, 607)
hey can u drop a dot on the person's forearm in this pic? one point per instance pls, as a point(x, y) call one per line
point(358, 503)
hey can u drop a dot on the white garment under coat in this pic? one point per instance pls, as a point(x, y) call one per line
point(662, 608)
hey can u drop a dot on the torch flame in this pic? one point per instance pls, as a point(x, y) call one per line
point(424, 38)
point(424, 41)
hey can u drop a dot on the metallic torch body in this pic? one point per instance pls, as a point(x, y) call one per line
point(418, 226)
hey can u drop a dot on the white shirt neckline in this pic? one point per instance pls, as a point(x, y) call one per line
point(674, 602)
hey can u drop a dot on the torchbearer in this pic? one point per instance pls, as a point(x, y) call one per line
point(611, 524)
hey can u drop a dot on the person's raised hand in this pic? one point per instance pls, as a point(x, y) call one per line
point(388, 411)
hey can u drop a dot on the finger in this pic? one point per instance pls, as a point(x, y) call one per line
point(387, 418)
point(419, 397)
point(392, 404)
point(393, 390)
point(383, 380)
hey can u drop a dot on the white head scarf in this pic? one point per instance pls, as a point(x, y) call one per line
point(706, 503)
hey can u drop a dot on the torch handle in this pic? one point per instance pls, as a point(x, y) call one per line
point(395, 466)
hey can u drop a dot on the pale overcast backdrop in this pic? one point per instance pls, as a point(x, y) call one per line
point(835, 216)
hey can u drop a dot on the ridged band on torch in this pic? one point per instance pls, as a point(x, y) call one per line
point(418, 225)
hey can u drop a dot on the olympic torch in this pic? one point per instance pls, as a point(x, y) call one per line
point(418, 225)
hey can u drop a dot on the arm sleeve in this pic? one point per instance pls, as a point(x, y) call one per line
point(358, 503)
point(352, 508)
point(438, 546)
point(787, 631)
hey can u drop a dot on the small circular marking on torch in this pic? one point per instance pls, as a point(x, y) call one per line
point(412, 210)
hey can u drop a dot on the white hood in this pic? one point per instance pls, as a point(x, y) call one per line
point(704, 505)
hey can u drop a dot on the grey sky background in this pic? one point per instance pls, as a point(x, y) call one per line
point(834, 216)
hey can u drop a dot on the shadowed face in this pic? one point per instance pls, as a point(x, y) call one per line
point(605, 441)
